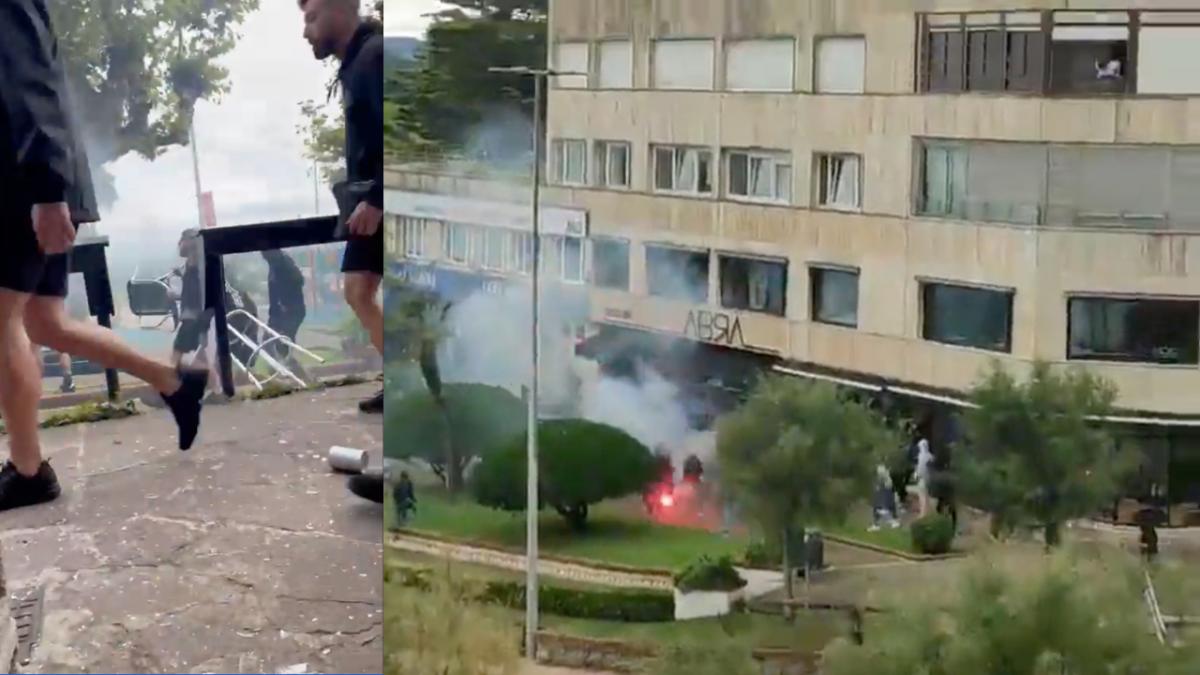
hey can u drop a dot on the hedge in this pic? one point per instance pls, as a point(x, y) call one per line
point(627, 606)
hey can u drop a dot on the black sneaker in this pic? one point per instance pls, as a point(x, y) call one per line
point(17, 490)
point(185, 404)
point(367, 486)
point(372, 405)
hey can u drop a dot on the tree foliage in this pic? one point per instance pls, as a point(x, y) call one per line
point(799, 454)
point(478, 418)
point(1065, 615)
point(1032, 457)
point(580, 463)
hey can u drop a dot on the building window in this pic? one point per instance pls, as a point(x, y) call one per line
point(520, 252)
point(570, 162)
point(681, 169)
point(414, 237)
point(572, 260)
point(760, 65)
point(457, 243)
point(571, 57)
point(551, 256)
point(684, 64)
point(477, 246)
point(967, 316)
point(497, 249)
point(838, 181)
point(834, 296)
point(982, 181)
point(678, 274)
point(1097, 186)
point(753, 284)
point(1134, 330)
point(612, 164)
point(616, 64)
point(983, 52)
point(760, 175)
point(841, 65)
point(610, 264)
point(1089, 53)
point(1167, 54)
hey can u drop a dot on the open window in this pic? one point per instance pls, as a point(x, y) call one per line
point(682, 169)
point(760, 175)
point(838, 181)
point(610, 263)
point(754, 284)
point(612, 164)
point(1089, 53)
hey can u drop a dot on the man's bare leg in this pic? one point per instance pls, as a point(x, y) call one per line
point(20, 384)
point(48, 324)
point(361, 291)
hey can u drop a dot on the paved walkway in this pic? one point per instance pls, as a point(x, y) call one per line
point(243, 555)
point(516, 562)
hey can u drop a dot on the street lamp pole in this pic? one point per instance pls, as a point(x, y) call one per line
point(531, 482)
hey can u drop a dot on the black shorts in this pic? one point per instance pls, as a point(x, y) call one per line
point(364, 254)
point(23, 266)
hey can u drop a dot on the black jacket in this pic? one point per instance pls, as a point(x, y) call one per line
point(40, 151)
point(361, 76)
point(285, 285)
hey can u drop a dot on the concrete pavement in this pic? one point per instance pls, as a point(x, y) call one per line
point(243, 555)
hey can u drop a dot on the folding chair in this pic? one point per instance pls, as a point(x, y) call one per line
point(152, 298)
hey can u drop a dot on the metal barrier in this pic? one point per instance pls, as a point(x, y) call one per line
point(262, 349)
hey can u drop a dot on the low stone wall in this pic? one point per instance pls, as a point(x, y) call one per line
point(8, 628)
point(787, 662)
point(582, 653)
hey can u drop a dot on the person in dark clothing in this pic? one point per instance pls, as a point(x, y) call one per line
point(194, 320)
point(405, 498)
point(46, 194)
point(285, 296)
point(335, 28)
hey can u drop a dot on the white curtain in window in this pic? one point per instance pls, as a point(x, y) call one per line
point(616, 64)
point(761, 177)
point(842, 181)
point(683, 64)
point(687, 169)
point(841, 65)
point(760, 286)
point(783, 182)
point(760, 65)
point(572, 259)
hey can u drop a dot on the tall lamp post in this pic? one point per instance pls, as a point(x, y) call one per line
point(540, 77)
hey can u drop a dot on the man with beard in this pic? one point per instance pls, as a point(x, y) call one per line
point(335, 28)
point(46, 193)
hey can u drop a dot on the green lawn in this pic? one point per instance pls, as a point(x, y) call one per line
point(614, 535)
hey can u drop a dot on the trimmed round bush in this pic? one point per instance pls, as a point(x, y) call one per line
point(933, 534)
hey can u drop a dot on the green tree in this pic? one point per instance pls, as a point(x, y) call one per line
point(500, 10)
point(1063, 615)
point(580, 463)
point(478, 418)
point(138, 67)
point(1032, 453)
point(799, 454)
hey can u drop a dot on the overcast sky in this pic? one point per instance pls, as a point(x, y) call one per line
point(251, 156)
point(404, 17)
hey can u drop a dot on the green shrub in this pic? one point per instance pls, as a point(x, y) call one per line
point(628, 606)
point(707, 574)
point(763, 555)
point(933, 534)
point(582, 463)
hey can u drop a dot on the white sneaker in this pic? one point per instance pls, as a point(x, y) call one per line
point(873, 528)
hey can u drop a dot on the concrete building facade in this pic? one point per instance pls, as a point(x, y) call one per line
point(895, 193)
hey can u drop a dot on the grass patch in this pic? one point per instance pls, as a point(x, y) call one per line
point(613, 536)
point(87, 413)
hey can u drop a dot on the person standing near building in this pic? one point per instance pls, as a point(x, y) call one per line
point(336, 28)
point(46, 193)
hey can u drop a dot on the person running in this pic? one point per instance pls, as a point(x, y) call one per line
point(47, 193)
point(335, 28)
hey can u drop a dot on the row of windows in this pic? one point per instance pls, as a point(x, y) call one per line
point(767, 65)
point(753, 175)
point(1069, 185)
point(1138, 330)
point(489, 249)
point(1040, 51)
point(1061, 52)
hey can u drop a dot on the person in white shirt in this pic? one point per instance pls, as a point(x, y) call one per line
point(921, 475)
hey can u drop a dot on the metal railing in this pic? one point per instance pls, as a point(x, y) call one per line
point(257, 349)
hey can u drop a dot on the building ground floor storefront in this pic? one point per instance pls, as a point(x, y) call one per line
point(713, 380)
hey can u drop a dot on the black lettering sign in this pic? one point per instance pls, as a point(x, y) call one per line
point(714, 327)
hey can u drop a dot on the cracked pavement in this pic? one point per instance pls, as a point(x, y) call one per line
point(243, 555)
